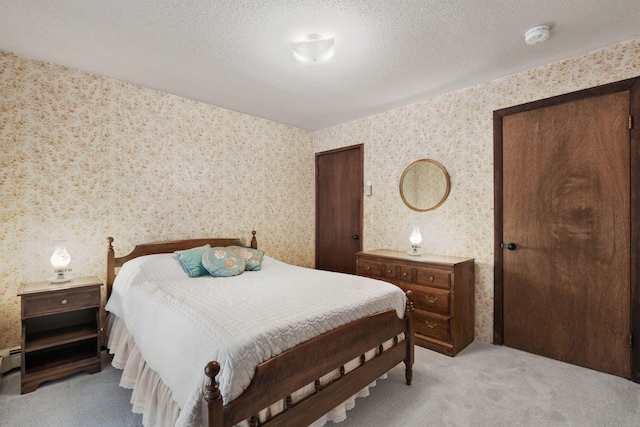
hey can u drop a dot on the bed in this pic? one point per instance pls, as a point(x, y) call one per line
point(333, 360)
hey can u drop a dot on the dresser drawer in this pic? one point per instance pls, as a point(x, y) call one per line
point(390, 270)
point(432, 325)
point(369, 267)
point(431, 277)
point(61, 301)
point(432, 300)
point(405, 273)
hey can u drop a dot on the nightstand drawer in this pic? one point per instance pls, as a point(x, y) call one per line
point(432, 325)
point(436, 278)
point(59, 301)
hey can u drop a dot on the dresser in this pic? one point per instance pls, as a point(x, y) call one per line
point(442, 289)
point(60, 330)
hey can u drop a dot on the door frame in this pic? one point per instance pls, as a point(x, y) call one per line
point(633, 86)
point(360, 148)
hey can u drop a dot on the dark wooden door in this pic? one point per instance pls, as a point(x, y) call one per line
point(566, 232)
point(339, 191)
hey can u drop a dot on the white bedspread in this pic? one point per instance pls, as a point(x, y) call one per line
point(239, 321)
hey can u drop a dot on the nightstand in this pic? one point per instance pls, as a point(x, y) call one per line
point(60, 330)
point(442, 290)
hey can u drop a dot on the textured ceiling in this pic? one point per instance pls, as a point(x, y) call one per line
point(235, 53)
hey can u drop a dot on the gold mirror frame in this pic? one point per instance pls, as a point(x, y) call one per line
point(443, 186)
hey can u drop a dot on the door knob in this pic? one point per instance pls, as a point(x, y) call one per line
point(356, 237)
point(511, 246)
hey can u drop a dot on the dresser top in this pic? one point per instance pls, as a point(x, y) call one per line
point(430, 258)
point(46, 286)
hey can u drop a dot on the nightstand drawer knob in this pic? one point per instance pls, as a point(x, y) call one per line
point(368, 268)
point(63, 302)
point(431, 299)
point(431, 325)
point(389, 271)
point(432, 278)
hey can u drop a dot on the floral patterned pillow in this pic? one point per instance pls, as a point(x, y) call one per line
point(223, 262)
point(252, 257)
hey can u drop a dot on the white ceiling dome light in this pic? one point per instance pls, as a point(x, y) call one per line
point(313, 50)
point(537, 34)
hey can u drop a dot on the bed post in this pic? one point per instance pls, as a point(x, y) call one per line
point(408, 362)
point(212, 415)
point(254, 242)
point(111, 266)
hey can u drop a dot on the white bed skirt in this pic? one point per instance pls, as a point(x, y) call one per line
point(153, 399)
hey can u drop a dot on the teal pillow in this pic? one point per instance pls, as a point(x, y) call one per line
point(223, 262)
point(252, 257)
point(191, 260)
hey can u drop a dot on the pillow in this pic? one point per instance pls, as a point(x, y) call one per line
point(191, 260)
point(252, 257)
point(223, 262)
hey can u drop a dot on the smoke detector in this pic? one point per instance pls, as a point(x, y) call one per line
point(537, 34)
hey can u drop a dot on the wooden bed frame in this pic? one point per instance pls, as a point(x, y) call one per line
point(277, 378)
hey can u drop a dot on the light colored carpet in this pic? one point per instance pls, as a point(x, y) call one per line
point(484, 385)
point(494, 386)
point(79, 400)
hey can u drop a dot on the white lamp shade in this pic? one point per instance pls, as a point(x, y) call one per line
point(60, 257)
point(416, 237)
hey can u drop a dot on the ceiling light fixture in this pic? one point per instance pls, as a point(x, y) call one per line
point(537, 34)
point(314, 50)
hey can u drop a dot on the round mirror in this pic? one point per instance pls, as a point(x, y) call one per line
point(424, 185)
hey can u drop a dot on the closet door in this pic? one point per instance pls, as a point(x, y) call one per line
point(566, 232)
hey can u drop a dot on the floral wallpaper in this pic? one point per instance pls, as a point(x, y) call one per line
point(456, 129)
point(86, 157)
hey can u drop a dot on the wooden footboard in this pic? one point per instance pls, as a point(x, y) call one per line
point(279, 377)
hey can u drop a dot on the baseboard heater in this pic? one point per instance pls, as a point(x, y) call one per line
point(9, 359)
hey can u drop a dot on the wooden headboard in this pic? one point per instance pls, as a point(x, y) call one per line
point(114, 262)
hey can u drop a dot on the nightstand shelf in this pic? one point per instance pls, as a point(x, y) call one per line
point(60, 330)
point(67, 335)
point(70, 357)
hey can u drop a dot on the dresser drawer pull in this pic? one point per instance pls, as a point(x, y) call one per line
point(389, 271)
point(432, 278)
point(431, 299)
point(404, 274)
point(63, 302)
point(368, 268)
point(431, 325)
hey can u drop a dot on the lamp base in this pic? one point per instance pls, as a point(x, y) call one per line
point(415, 250)
point(60, 278)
